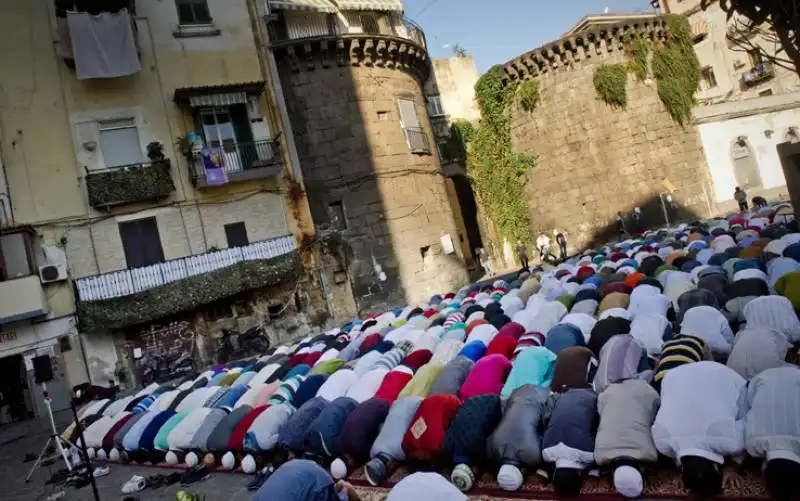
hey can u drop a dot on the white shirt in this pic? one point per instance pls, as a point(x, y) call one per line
point(702, 412)
point(582, 321)
point(707, 323)
point(649, 329)
point(639, 294)
point(548, 317)
point(367, 385)
point(337, 384)
point(483, 332)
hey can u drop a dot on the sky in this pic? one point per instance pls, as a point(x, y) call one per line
point(495, 34)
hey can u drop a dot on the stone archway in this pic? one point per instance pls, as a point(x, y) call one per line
point(745, 165)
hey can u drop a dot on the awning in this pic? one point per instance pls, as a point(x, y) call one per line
point(700, 29)
point(218, 95)
point(390, 5)
point(307, 5)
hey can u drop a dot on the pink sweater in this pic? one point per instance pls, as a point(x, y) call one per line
point(488, 376)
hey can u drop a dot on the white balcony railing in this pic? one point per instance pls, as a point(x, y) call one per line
point(126, 282)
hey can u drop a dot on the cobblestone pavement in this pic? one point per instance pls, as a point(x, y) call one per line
point(29, 437)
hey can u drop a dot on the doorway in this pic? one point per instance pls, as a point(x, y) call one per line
point(789, 154)
point(14, 395)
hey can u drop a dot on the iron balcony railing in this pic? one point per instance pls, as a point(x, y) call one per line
point(417, 140)
point(399, 26)
point(126, 282)
point(758, 73)
point(238, 159)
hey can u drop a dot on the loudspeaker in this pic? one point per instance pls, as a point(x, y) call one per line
point(42, 369)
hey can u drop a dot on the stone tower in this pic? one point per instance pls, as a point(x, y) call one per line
point(352, 82)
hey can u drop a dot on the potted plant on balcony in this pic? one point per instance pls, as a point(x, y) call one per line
point(185, 146)
point(155, 151)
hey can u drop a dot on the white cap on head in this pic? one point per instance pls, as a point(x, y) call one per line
point(90, 452)
point(101, 455)
point(338, 469)
point(191, 460)
point(628, 481)
point(248, 464)
point(113, 455)
point(509, 477)
point(228, 460)
point(171, 458)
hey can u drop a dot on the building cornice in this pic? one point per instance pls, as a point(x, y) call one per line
point(386, 51)
point(594, 44)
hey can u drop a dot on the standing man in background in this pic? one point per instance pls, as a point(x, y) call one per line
point(522, 254)
point(741, 197)
point(543, 245)
point(561, 240)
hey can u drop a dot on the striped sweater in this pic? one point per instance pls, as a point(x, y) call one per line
point(678, 351)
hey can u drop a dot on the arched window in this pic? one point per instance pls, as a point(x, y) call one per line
point(745, 165)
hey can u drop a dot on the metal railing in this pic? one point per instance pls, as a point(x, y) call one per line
point(126, 282)
point(400, 27)
point(758, 73)
point(417, 140)
point(242, 157)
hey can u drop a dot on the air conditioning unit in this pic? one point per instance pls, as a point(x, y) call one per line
point(50, 273)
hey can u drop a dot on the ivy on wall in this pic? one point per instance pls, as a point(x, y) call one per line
point(139, 183)
point(611, 83)
point(675, 68)
point(187, 294)
point(497, 173)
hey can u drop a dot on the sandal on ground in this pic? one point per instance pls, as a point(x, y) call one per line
point(196, 474)
point(172, 478)
point(101, 471)
point(155, 481)
point(135, 484)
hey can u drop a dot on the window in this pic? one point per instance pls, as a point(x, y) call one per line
point(119, 142)
point(369, 23)
point(193, 12)
point(141, 242)
point(435, 106)
point(766, 92)
point(236, 233)
point(336, 215)
point(415, 136)
point(16, 256)
point(709, 79)
point(218, 128)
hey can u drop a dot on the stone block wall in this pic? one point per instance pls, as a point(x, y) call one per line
point(353, 150)
point(595, 160)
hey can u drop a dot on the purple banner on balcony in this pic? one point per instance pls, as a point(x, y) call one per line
point(214, 164)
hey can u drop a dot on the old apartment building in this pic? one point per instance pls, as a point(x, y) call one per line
point(173, 168)
point(748, 105)
point(149, 198)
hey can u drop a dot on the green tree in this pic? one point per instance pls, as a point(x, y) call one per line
point(776, 21)
point(460, 51)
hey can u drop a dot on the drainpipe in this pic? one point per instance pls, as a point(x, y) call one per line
point(5, 193)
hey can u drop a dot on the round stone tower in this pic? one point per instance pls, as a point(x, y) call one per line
point(369, 162)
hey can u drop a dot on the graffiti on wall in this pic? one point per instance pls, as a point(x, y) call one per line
point(161, 352)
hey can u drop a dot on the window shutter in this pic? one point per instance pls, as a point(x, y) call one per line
point(141, 242)
point(129, 234)
point(152, 240)
point(408, 114)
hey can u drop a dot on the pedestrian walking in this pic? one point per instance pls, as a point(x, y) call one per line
point(522, 254)
point(741, 197)
point(561, 240)
point(484, 260)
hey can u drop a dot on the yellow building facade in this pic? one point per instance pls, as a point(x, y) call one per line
point(138, 184)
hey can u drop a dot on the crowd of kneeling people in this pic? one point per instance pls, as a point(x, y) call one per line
point(680, 344)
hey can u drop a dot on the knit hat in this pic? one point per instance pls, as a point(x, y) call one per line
point(509, 477)
point(628, 481)
point(503, 345)
point(463, 477)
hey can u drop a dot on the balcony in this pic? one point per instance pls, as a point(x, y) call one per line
point(758, 74)
point(146, 182)
point(129, 297)
point(244, 162)
point(22, 299)
point(399, 27)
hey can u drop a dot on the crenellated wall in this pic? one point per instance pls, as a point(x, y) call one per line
point(595, 160)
